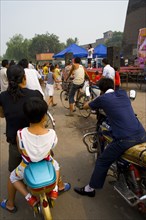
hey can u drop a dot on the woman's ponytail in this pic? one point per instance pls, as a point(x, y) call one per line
point(15, 74)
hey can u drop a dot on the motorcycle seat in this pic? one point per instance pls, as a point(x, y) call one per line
point(136, 154)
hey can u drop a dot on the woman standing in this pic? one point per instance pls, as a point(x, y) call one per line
point(90, 55)
point(11, 107)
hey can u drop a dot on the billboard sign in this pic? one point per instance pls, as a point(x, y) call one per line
point(141, 47)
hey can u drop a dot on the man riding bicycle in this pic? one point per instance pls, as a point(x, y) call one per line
point(79, 73)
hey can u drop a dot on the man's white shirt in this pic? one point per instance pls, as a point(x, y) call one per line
point(32, 80)
point(108, 72)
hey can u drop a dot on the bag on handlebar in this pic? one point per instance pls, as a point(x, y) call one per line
point(95, 91)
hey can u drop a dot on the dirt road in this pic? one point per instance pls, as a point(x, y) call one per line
point(76, 166)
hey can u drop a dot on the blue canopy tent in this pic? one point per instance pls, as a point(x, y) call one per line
point(76, 50)
point(100, 51)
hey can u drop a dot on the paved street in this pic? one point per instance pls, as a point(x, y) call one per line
point(76, 167)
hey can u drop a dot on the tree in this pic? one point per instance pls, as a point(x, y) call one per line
point(25, 48)
point(17, 48)
point(45, 43)
point(116, 40)
point(72, 41)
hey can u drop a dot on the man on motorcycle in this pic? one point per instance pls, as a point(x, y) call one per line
point(127, 131)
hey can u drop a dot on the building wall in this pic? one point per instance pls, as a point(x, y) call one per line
point(107, 35)
point(135, 20)
point(44, 56)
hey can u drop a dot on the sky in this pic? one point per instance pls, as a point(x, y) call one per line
point(86, 20)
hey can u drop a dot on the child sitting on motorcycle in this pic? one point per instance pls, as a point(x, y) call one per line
point(35, 143)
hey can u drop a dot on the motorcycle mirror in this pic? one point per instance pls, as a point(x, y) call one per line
point(132, 94)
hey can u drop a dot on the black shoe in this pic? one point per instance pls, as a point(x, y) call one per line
point(82, 192)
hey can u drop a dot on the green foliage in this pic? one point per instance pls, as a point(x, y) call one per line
point(17, 48)
point(70, 41)
point(116, 40)
point(45, 43)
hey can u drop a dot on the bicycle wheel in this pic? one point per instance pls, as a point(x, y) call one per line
point(64, 97)
point(84, 112)
point(50, 123)
point(37, 211)
point(45, 207)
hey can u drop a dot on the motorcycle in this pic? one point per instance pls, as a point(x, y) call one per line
point(129, 171)
point(40, 178)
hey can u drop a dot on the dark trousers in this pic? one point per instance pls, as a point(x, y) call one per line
point(114, 150)
point(14, 157)
point(74, 88)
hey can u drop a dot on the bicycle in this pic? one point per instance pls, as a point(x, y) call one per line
point(81, 98)
point(40, 177)
point(50, 123)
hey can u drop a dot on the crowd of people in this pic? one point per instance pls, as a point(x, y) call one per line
point(22, 103)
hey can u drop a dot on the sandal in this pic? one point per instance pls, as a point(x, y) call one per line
point(54, 104)
point(69, 114)
point(3, 205)
point(67, 187)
